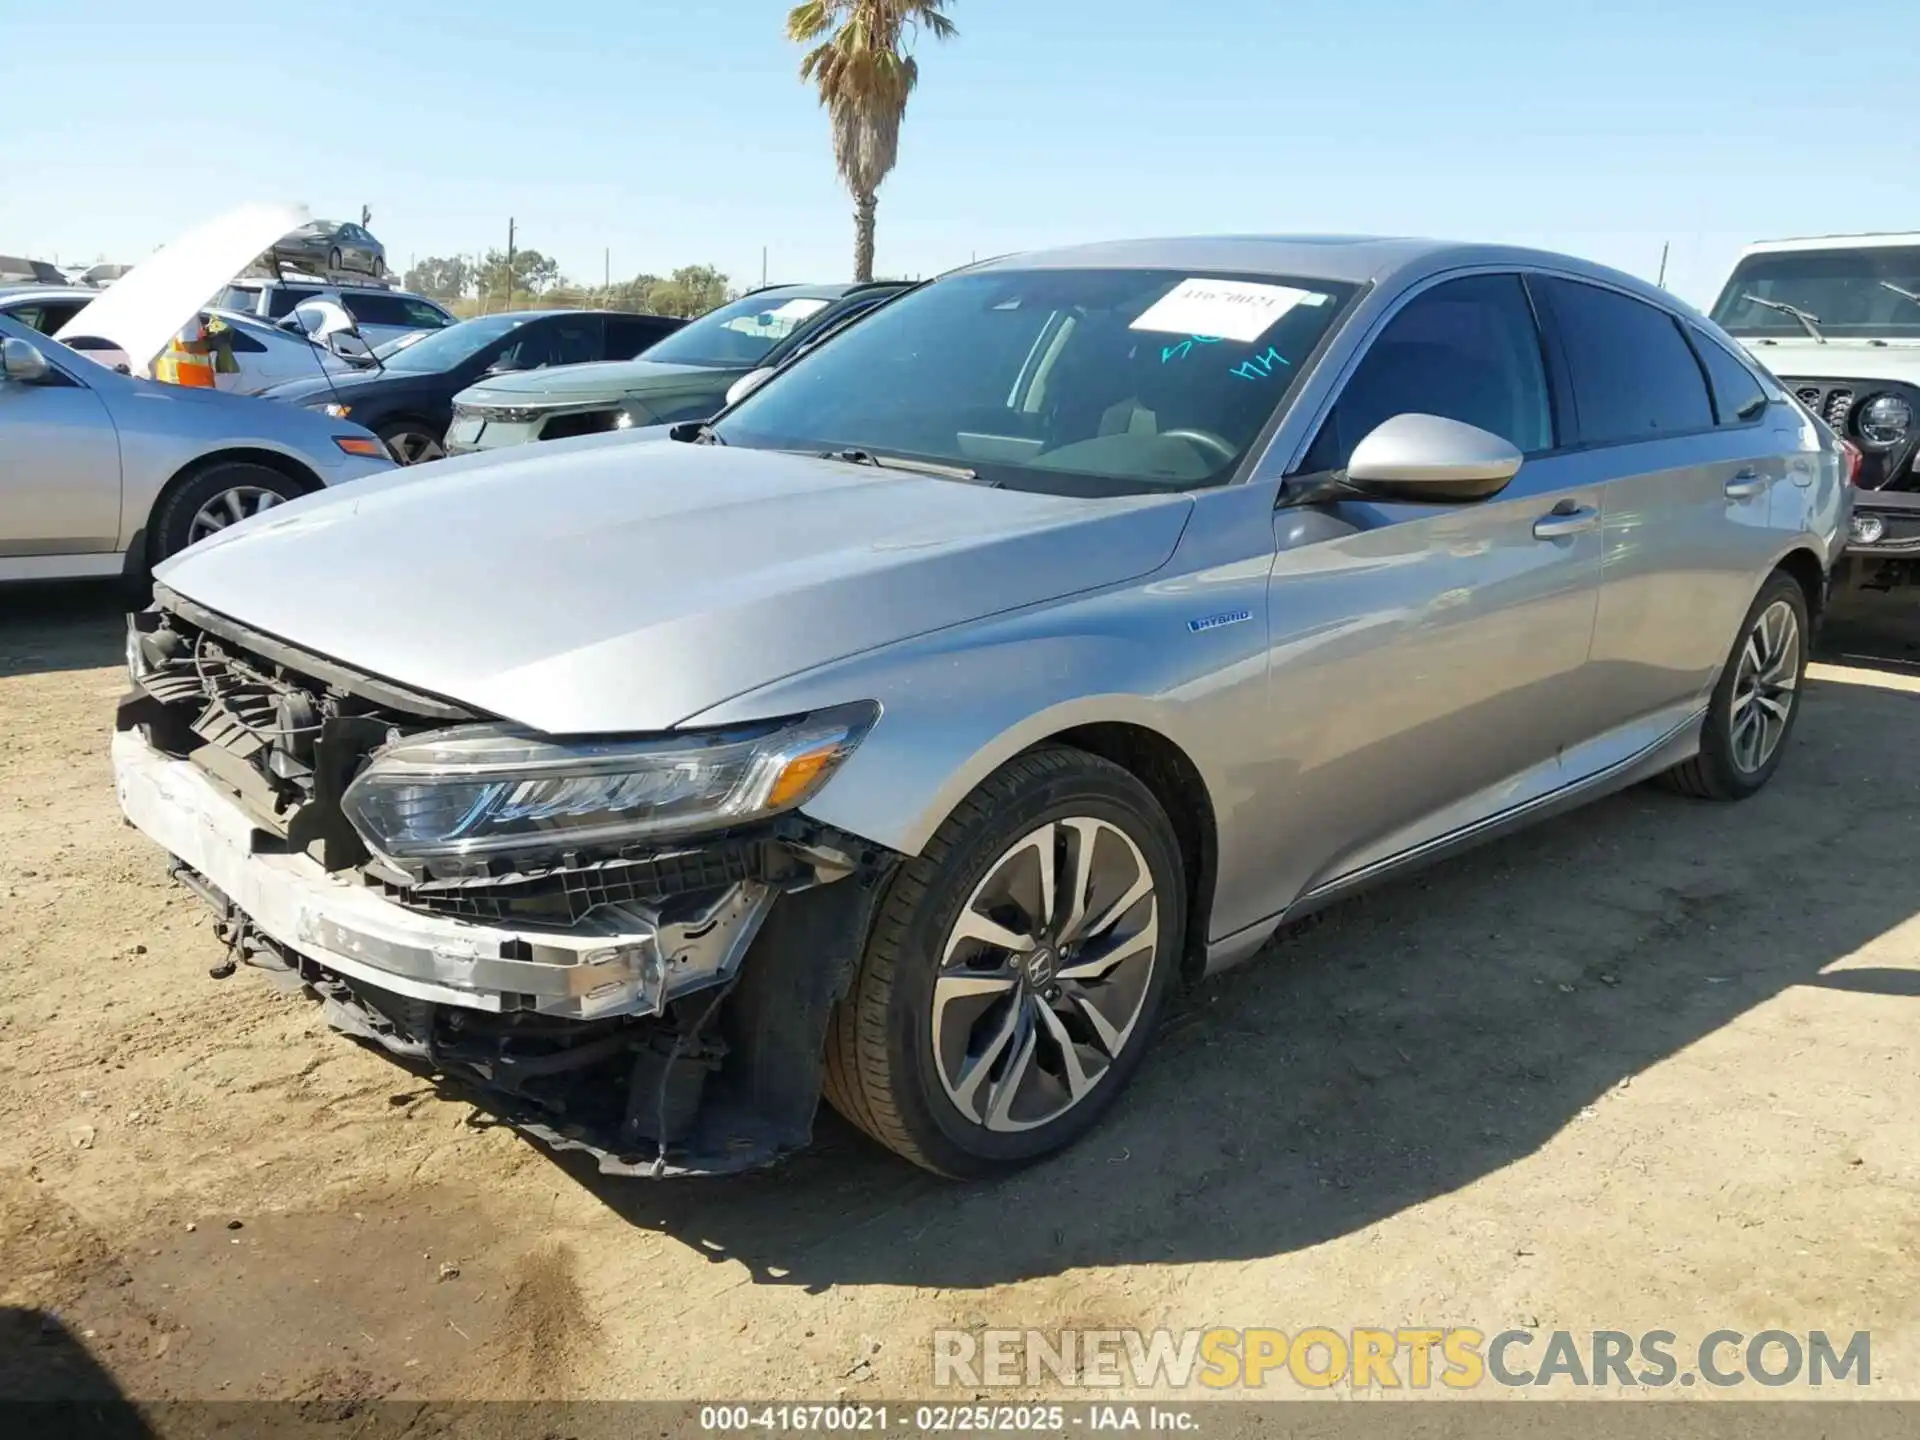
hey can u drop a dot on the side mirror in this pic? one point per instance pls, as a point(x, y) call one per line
point(20, 360)
point(748, 383)
point(350, 348)
point(1428, 458)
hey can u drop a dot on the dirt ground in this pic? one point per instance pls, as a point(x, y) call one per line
point(1651, 1065)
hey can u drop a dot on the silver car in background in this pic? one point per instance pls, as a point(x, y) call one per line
point(104, 474)
point(1044, 640)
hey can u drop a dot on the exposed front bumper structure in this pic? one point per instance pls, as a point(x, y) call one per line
point(620, 960)
point(679, 1038)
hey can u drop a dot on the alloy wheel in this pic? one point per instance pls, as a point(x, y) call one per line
point(1765, 686)
point(1044, 974)
point(414, 447)
point(228, 508)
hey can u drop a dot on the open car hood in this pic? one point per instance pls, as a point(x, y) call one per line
point(149, 304)
point(629, 585)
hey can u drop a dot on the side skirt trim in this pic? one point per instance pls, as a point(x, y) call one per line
point(1678, 744)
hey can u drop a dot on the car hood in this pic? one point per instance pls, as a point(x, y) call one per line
point(147, 306)
point(605, 380)
point(1839, 359)
point(629, 586)
point(343, 382)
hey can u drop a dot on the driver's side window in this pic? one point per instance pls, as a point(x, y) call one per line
point(1468, 350)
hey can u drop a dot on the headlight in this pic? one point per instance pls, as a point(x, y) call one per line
point(482, 788)
point(333, 408)
point(510, 414)
point(1885, 420)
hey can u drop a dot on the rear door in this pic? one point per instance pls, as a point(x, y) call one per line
point(59, 467)
point(1687, 507)
point(1421, 663)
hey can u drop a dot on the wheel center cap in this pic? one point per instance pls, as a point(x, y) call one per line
point(1040, 965)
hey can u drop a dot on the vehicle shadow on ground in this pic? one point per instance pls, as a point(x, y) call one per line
point(1876, 631)
point(51, 1385)
point(1414, 1041)
point(46, 628)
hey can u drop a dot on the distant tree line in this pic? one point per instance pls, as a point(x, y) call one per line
point(536, 278)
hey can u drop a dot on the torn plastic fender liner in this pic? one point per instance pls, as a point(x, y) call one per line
point(759, 1103)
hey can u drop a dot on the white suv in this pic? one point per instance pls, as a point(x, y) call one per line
point(1837, 319)
point(380, 314)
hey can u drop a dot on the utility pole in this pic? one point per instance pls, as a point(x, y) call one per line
point(1662, 281)
point(606, 268)
point(763, 267)
point(509, 262)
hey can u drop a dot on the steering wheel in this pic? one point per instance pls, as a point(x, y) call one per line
point(1205, 440)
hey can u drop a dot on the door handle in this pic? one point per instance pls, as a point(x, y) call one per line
point(1559, 523)
point(1745, 485)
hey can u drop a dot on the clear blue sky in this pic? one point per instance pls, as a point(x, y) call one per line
point(679, 133)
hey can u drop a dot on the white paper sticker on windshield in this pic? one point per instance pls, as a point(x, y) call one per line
point(1224, 309)
point(777, 323)
point(797, 309)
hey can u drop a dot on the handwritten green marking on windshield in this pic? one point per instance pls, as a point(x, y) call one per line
point(1260, 366)
point(1185, 347)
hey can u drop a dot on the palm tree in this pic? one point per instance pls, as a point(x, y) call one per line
point(864, 77)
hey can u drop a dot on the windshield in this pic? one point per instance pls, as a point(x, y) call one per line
point(1851, 291)
point(1086, 382)
point(401, 342)
point(738, 335)
point(443, 349)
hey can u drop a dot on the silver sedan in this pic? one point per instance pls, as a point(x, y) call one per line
point(103, 474)
point(1041, 642)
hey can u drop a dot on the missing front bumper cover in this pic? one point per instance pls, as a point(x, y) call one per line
point(676, 1037)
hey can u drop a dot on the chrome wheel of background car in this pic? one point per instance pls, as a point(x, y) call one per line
point(413, 447)
point(229, 507)
point(1765, 686)
point(1044, 974)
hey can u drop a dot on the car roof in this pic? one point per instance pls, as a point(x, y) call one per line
point(1354, 259)
point(1832, 242)
point(328, 287)
point(801, 291)
point(49, 292)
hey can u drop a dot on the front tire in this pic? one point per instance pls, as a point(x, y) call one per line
point(410, 443)
point(333, 262)
point(1016, 970)
point(1756, 702)
point(221, 495)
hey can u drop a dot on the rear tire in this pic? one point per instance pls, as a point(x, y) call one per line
point(1754, 706)
point(972, 1058)
point(333, 262)
point(220, 495)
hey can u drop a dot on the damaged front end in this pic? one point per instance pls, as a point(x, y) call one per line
point(630, 946)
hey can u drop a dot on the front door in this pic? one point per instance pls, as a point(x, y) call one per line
point(59, 469)
point(1422, 661)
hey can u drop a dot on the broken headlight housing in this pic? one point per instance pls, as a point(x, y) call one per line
point(480, 789)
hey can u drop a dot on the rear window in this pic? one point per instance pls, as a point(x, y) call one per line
point(244, 298)
point(1737, 396)
point(282, 299)
point(628, 336)
point(391, 310)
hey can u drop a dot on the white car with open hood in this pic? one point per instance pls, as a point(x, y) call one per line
point(105, 474)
